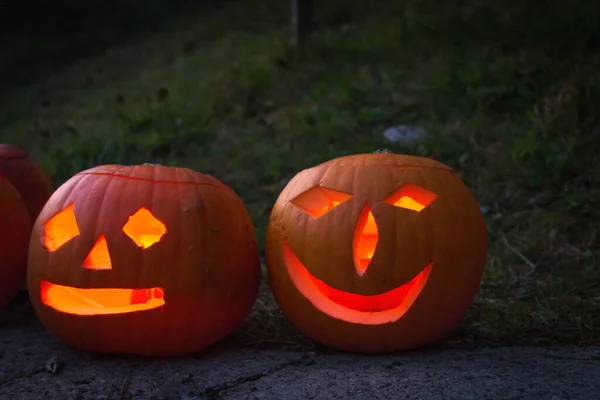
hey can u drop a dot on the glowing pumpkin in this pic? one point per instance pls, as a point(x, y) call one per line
point(15, 227)
point(375, 252)
point(26, 176)
point(144, 259)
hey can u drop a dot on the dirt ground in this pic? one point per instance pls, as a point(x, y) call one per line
point(34, 365)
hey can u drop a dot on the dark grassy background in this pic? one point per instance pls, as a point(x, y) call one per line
point(508, 90)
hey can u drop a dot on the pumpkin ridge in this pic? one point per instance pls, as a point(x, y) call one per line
point(396, 166)
point(12, 152)
point(68, 194)
point(151, 180)
point(425, 167)
point(15, 157)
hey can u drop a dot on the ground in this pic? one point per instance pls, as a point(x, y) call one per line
point(34, 365)
point(508, 92)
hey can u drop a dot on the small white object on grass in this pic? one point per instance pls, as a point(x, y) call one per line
point(405, 134)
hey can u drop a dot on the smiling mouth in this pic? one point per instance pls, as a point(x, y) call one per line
point(78, 301)
point(356, 308)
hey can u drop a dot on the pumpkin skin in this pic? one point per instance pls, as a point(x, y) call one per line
point(26, 176)
point(15, 227)
point(203, 265)
point(423, 268)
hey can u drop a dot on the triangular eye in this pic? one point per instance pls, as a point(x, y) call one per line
point(411, 197)
point(99, 257)
point(318, 200)
point(61, 228)
point(144, 228)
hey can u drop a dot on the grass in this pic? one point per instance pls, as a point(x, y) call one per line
point(509, 93)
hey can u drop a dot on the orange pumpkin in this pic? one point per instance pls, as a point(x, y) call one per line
point(375, 252)
point(144, 259)
point(15, 227)
point(27, 177)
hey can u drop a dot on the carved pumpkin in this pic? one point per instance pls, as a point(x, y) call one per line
point(26, 176)
point(15, 226)
point(375, 252)
point(144, 259)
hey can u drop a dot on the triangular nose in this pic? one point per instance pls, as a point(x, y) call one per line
point(99, 257)
point(365, 240)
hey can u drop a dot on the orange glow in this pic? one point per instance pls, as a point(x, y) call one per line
point(99, 257)
point(144, 228)
point(79, 301)
point(365, 240)
point(411, 197)
point(318, 200)
point(350, 307)
point(60, 228)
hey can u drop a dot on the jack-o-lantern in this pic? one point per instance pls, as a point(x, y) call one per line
point(375, 252)
point(146, 259)
point(15, 227)
point(26, 176)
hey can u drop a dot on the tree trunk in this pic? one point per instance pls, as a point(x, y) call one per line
point(302, 18)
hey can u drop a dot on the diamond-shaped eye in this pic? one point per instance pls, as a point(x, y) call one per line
point(144, 228)
point(318, 200)
point(411, 197)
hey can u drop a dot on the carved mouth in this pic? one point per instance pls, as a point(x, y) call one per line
point(350, 307)
point(78, 301)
